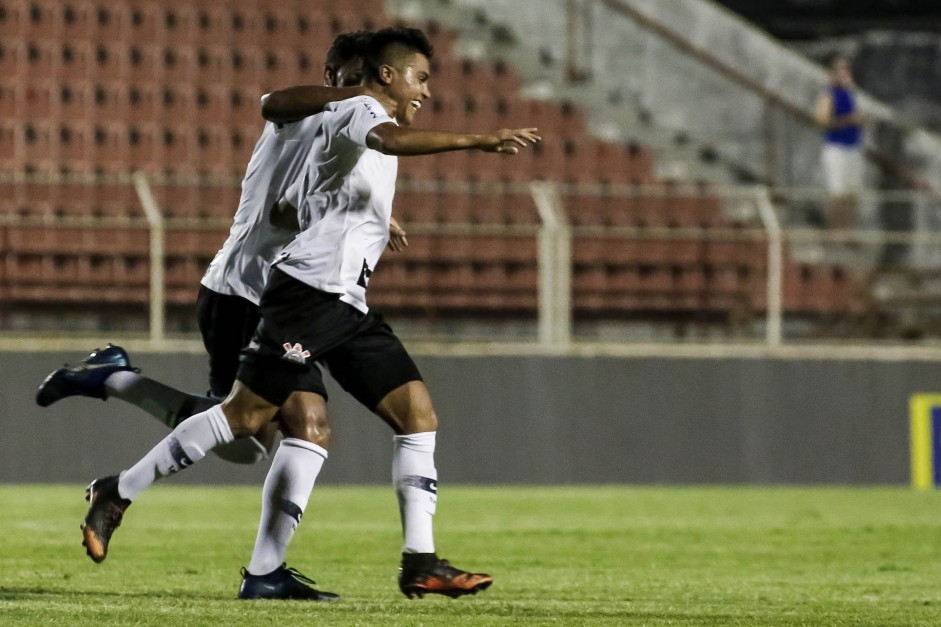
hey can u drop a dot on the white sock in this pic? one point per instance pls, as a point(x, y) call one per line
point(171, 407)
point(416, 486)
point(166, 404)
point(186, 445)
point(288, 485)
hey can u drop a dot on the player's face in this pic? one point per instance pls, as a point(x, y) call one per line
point(349, 74)
point(409, 87)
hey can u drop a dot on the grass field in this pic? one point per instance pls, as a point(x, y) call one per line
point(560, 556)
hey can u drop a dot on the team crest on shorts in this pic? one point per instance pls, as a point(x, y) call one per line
point(295, 353)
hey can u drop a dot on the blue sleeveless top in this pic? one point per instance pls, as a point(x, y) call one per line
point(843, 104)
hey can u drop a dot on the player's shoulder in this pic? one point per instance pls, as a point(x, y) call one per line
point(360, 104)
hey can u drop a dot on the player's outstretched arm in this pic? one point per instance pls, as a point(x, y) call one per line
point(296, 103)
point(404, 141)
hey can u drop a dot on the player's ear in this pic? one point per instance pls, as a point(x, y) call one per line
point(329, 77)
point(386, 74)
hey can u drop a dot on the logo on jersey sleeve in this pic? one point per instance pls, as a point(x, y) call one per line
point(364, 275)
point(295, 353)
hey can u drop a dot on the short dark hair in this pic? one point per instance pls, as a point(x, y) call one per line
point(410, 38)
point(346, 47)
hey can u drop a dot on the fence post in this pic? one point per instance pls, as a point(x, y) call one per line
point(157, 256)
point(769, 219)
point(555, 268)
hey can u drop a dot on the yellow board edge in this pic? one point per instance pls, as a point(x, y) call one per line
point(922, 455)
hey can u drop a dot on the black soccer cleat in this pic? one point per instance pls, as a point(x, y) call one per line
point(87, 378)
point(282, 583)
point(425, 573)
point(104, 516)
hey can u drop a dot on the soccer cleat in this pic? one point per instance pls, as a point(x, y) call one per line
point(424, 573)
point(103, 517)
point(281, 583)
point(87, 378)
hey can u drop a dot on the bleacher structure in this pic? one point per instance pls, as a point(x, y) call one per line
point(171, 88)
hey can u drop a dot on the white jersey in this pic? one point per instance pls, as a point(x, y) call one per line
point(345, 203)
point(241, 266)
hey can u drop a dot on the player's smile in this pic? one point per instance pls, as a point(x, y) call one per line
point(413, 89)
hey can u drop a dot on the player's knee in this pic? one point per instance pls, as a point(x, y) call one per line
point(421, 417)
point(421, 421)
point(306, 419)
point(408, 409)
point(246, 412)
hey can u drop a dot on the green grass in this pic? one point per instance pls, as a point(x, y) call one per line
point(560, 556)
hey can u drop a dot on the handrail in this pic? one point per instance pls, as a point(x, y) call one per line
point(886, 163)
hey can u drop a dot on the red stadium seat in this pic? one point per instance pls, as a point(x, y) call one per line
point(77, 21)
point(13, 23)
point(39, 101)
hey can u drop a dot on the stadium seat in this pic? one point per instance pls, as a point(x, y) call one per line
point(548, 159)
point(12, 19)
point(39, 101)
point(13, 61)
point(73, 144)
point(211, 64)
point(40, 20)
point(142, 142)
point(41, 58)
point(37, 139)
point(175, 64)
point(483, 167)
point(143, 61)
point(75, 99)
point(415, 208)
point(74, 20)
point(111, 21)
point(581, 165)
point(175, 102)
point(115, 61)
point(142, 21)
point(11, 100)
point(614, 163)
point(348, 19)
point(243, 104)
point(177, 22)
point(177, 149)
point(72, 199)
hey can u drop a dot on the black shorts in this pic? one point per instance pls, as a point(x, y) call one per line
point(301, 325)
point(227, 324)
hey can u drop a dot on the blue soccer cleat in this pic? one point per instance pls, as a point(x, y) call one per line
point(87, 378)
point(282, 583)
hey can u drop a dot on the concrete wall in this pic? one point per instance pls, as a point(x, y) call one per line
point(534, 420)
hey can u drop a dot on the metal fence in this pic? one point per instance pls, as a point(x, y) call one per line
point(546, 264)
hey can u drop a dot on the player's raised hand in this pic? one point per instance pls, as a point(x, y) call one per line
point(509, 141)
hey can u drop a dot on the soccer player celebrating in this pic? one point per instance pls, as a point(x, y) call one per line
point(227, 303)
point(313, 308)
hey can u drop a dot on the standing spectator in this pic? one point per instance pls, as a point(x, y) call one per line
point(842, 158)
